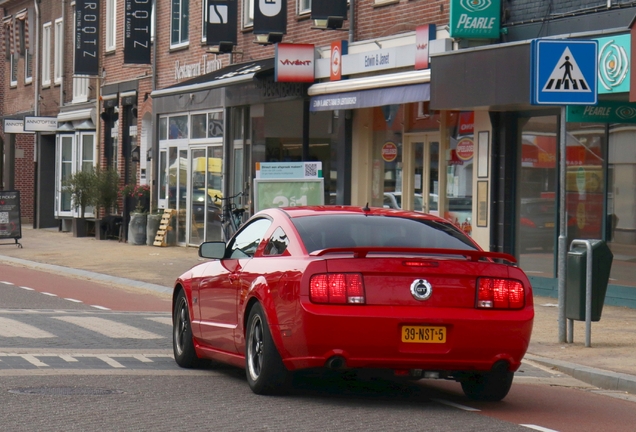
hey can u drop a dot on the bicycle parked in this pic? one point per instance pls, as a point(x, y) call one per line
point(231, 215)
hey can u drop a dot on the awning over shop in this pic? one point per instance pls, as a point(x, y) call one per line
point(371, 98)
point(373, 91)
point(232, 74)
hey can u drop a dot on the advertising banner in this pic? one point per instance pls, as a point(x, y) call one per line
point(222, 22)
point(10, 215)
point(423, 35)
point(270, 16)
point(288, 193)
point(137, 31)
point(87, 37)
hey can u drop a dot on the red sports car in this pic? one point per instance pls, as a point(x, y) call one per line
point(355, 288)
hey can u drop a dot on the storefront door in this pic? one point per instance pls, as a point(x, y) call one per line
point(421, 187)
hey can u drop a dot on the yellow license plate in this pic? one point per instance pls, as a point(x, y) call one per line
point(423, 334)
point(549, 225)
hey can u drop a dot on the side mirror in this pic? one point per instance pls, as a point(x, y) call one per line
point(212, 250)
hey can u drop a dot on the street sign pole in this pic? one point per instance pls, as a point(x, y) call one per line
point(561, 270)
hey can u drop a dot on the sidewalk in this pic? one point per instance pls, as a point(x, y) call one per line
point(609, 364)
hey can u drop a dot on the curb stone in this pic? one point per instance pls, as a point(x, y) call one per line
point(597, 377)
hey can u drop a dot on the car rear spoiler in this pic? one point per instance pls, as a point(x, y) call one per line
point(473, 255)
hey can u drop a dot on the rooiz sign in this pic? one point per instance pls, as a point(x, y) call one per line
point(87, 37)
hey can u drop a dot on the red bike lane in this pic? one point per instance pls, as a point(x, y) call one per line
point(93, 293)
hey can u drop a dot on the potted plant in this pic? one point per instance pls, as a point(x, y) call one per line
point(81, 187)
point(106, 198)
point(138, 217)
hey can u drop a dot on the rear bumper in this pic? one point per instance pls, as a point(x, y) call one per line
point(370, 337)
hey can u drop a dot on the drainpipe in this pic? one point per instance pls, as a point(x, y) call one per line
point(62, 55)
point(352, 20)
point(36, 112)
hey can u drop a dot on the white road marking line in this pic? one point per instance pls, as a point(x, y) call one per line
point(100, 307)
point(142, 358)
point(26, 288)
point(455, 405)
point(33, 360)
point(16, 329)
point(6, 283)
point(110, 362)
point(109, 328)
point(49, 294)
point(539, 428)
point(68, 358)
point(73, 300)
point(162, 320)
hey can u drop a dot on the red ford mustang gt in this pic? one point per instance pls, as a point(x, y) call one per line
point(347, 288)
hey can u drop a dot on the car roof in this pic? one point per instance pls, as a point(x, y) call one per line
point(304, 211)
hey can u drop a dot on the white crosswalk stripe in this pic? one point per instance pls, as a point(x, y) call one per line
point(109, 328)
point(39, 359)
point(15, 329)
point(162, 320)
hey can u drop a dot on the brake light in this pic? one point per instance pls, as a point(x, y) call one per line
point(336, 288)
point(500, 294)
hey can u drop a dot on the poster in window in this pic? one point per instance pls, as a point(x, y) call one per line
point(482, 203)
point(482, 154)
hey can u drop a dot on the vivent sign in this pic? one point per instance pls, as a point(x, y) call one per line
point(475, 19)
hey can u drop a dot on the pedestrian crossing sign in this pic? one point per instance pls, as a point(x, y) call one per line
point(564, 72)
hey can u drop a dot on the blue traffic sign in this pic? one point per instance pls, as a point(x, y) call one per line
point(564, 72)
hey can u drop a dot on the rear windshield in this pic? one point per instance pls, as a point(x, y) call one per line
point(334, 231)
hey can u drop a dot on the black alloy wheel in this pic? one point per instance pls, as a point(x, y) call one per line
point(266, 373)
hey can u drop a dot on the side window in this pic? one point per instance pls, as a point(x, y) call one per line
point(277, 244)
point(246, 242)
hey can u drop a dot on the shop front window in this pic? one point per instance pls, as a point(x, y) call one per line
point(386, 170)
point(538, 194)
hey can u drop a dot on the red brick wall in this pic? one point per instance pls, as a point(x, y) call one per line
point(370, 22)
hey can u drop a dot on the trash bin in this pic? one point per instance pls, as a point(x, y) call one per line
point(575, 290)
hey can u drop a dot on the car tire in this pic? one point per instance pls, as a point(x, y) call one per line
point(266, 373)
point(182, 343)
point(490, 386)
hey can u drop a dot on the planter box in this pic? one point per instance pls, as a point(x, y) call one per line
point(80, 227)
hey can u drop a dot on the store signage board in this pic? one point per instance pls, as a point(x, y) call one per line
point(40, 124)
point(564, 72)
point(603, 112)
point(614, 59)
point(14, 126)
point(294, 63)
point(10, 215)
point(470, 19)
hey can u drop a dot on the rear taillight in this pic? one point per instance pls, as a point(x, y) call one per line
point(495, 293)
point(336, 288)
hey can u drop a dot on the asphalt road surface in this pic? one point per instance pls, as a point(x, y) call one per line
point(75, 355)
